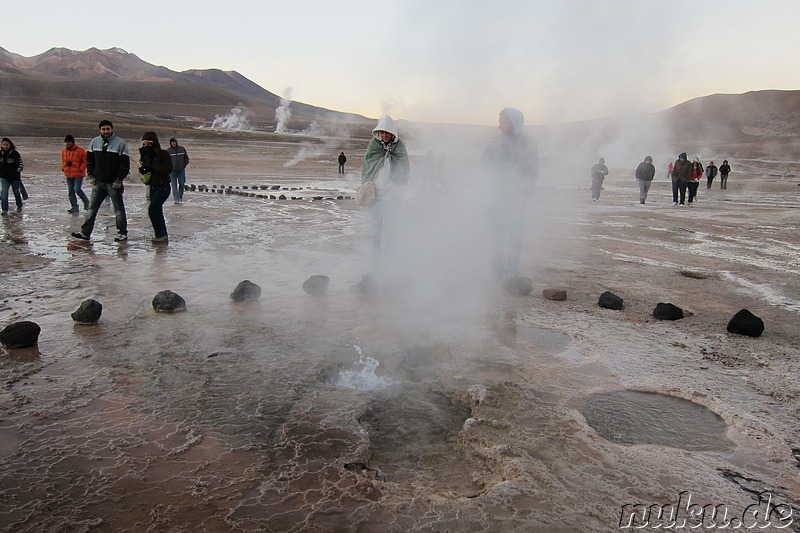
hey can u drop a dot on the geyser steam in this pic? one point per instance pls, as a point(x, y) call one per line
point(238, 120)
point(283, 113)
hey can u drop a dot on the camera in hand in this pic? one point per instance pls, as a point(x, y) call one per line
point(69, 163)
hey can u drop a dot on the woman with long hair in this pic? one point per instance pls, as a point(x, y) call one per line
point(694, 180)
point(10, 174)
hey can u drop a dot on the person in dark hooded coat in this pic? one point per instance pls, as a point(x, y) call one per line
point(645, 173)
point(681, 174)
point(158, 163)
point(180, 160)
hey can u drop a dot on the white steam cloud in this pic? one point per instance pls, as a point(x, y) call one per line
point(237, 120)
point(283, 113)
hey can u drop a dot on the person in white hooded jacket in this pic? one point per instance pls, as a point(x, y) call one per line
point(512, 161)
point(386, 164)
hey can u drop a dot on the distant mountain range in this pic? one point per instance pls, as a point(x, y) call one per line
point(60, 74)
point(59, 87)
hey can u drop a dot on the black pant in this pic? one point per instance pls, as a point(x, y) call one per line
point(693, 186)
point(678, 186)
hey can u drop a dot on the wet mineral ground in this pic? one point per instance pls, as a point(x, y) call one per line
point(437, 402)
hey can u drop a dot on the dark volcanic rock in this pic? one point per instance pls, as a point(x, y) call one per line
point(168, 302)
point(20, 335)
point(609, 300)
point(519, 285)
point(88, 313)
point(246, 290)
point(664, 311)
point(316, 285)
point(558, 295)
point(746, 323)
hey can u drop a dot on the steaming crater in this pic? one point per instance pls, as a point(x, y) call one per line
point(414, 439)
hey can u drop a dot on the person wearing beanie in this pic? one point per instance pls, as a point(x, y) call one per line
point(11, 166)
point(645, 173)
point(511, 160)
point(73, 165)
point(599, 172)
point(681, 174)
point(107, 164)
point(158, 164)
point(180, 159)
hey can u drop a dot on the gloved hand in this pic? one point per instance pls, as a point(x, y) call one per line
point(117, 184)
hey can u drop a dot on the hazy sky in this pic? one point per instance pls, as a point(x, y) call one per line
point(447, 60)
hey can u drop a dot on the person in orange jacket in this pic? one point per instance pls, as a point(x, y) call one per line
point(73, 165)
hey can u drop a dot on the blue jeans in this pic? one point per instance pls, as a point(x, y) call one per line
point(74, 191)
point(158, 195)
point(644, 188)
point(15, 185)
point(178, 178)
point(99, 193)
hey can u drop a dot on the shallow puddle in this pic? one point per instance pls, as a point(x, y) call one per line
point(632, 417)
point(545, 340)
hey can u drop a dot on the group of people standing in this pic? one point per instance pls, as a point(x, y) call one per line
point(106, 164)
point(685, 177)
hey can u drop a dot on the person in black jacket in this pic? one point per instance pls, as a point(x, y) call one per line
point(599, 172)
point(724, 170)
point(645, 173)
point(711, 173)
point(107, 164)
point(180, 159)
point(342, 161)
point(158, 163)
point(10, 171)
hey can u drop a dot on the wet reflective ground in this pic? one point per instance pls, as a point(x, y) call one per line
point(266, 416)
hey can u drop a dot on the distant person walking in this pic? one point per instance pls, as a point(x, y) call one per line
point(694, 181)
point(669, 169)
point(681, 173)
point(512, 162)
point(107, 164)
point(724, 170)
point(711, 173)
point(11, 166)
point(645, 173)
point(73, 165)
point(180, 160)
point(342, 161)
point(158, 162)
point(386, 164)
point(598, 173)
